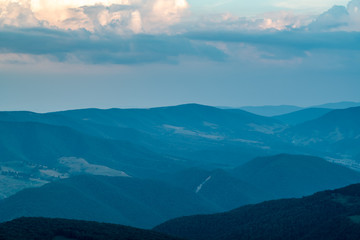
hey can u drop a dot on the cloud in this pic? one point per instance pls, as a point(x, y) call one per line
point(339, 18)
point(17, 14)
point(87, 47)
point(335, 17)
point(146, 16)
point(284, 20)
point(84, 46)
point(299, 39)
point(292, 47)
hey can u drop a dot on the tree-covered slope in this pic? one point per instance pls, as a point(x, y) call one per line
point(63, 229)
point(325, 215)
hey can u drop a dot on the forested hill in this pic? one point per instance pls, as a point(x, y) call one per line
point(63, 229)
point(325, 215)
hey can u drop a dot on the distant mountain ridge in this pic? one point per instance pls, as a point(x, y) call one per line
point(270, 111)
point(274, 110)
point(191, 116)
point(170, 130)
point(303, 115)
point(338, 105)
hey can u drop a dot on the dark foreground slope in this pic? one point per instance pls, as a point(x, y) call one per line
point(62, 229)
point(121, 200)
point(324, 215)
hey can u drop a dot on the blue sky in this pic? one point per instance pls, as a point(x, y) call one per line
point(140, 53)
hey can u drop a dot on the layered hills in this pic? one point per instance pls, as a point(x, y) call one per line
point(196, 132)
point(122, 200)
point(145, 203)
point(143, 166)
point(336, 133)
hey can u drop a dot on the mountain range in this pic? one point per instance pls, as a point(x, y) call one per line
point(192, 131)
point(141, 167)
point(271, 111)
point(189, 133)
point(138, 142)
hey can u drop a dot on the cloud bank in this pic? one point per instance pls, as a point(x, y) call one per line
point(148, 31)
point(83, 46)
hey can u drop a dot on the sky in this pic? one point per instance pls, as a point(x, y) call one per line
point(70, 54)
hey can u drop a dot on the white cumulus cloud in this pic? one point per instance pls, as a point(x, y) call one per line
point(136, 16)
